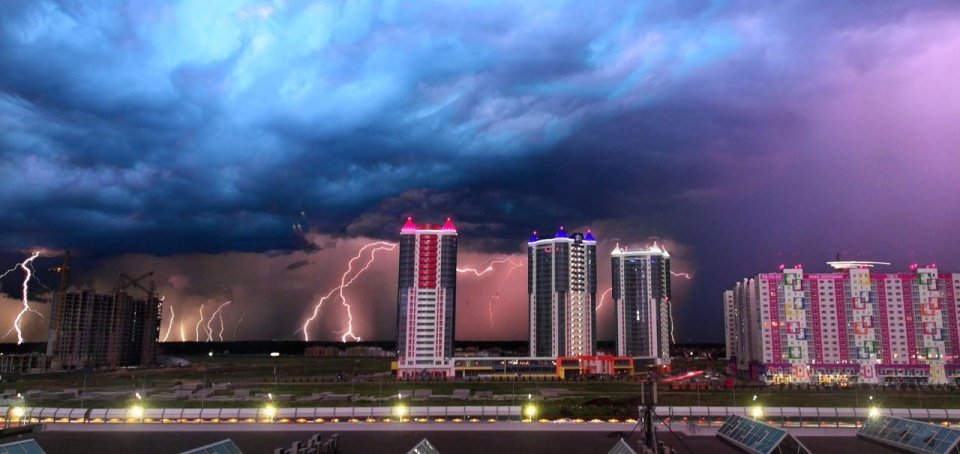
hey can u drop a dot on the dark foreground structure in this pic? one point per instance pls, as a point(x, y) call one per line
point(387, 442)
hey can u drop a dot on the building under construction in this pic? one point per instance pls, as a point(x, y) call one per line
point(91, 330)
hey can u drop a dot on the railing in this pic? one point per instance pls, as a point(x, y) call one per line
point(820, 417)
point(24, 415)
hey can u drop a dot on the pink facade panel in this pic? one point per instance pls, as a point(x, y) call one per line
point(775, 320)
point(886, 342)
point(949, 300)
point(817, 323)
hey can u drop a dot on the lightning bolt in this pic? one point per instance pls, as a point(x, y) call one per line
point(221, 322)
point(602, 296)
point(495, 298)
point(28, 273)
point(238, 325)
point(197, 329)
point(212, 317)
point(686, 276)
point(183, 335)
point(343, 299)
point(344, 283)
point(173, 315)
point(489, 267)
point(670, 315)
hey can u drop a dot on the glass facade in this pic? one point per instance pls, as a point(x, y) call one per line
point(562, 290)
point(641, 296)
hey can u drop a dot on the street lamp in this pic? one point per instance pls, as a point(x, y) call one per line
point(530, 412)
point(15, 412)
point(20, 410)
point(276, 379)
point(400, 411)
point(873, 411)
point(269, 412)
point(136, 411)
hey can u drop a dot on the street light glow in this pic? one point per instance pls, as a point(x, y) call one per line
point(530, 411)
point(270, 412)
point(135, 412)
point(400, 410)
point(757, 412)
point(17, 412)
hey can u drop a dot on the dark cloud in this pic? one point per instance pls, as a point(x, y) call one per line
point(297, 264)
point(745, 133)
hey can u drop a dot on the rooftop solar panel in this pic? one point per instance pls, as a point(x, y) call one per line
point(913, 436)
point(621, 448)
point(21, 447)
point(756, 437)
point(424, 447)
point(221, 447)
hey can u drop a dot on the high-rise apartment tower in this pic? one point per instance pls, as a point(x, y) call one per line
point(426, 301)
point(641, 297)
point(562, 291)
point(90, 330)
point(851, 325)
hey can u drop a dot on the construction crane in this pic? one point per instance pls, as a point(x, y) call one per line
point(126, 282)
point(64, 271)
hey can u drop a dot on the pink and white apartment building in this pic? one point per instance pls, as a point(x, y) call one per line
point(846, 327)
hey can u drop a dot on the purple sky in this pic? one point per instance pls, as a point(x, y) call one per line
point(245, 151)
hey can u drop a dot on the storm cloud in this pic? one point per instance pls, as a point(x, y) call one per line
point(276, 137)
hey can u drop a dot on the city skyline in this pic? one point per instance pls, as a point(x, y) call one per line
point(247, 151)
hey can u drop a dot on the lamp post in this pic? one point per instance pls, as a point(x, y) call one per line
point(136, 411)
point(531, 412)
point(399, 409)
point(270, 410)
point(734, 388)
point(15, 412)
point(513, 393)
point(20, 411)
point(757, 411)
point(353, 378)
point(276, 361)
point(83, 389)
